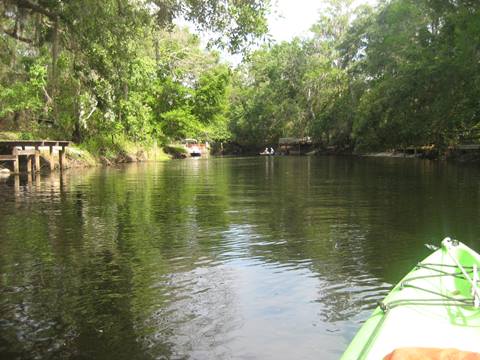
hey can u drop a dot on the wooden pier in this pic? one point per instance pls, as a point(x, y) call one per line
point(295, 146)
point(14, 150)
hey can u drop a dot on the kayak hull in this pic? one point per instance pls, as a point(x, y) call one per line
point(432, 307)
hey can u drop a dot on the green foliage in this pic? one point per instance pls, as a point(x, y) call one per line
point(210, 99)
point(118, 68)
point(24, 95)
point(418, 93)
point(296, 89)
point(403, 74)
point(181, 123)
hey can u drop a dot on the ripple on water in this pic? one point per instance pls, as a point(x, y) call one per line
point(277, 258)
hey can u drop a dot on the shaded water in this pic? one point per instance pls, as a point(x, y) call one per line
point(255, 258)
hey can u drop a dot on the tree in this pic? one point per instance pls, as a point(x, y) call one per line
point(96, 52)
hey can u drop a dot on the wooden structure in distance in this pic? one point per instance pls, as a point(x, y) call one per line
point(294, 146)
point(11, 150)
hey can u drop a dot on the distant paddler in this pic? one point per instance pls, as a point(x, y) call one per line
point(267, 152)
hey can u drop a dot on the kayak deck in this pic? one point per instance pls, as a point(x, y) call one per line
point(431, 307)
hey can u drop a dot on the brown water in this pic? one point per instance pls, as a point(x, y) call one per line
point(254, 258)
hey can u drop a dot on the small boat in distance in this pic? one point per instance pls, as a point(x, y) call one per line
point(194, 148)
point(433, 313)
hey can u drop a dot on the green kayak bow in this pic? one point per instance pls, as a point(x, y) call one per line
point(435, 306)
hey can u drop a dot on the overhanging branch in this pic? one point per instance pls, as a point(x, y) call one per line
point(13, 34)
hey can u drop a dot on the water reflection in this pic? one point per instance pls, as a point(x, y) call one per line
point(223, 258)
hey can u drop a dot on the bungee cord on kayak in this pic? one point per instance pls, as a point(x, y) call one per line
point(435, 307)
point(448, 244)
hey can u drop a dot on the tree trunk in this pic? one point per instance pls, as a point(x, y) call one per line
point(77, 131)
point(53, 72)
point(14, 48)
point(125, 91)
point(157, 52)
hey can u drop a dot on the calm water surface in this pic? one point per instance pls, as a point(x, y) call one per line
point(255, 258)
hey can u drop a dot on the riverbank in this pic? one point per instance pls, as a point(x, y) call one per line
point(95, 152)
point(460, 156)
point(79, 156)
point(454, 155)
point(113, 152)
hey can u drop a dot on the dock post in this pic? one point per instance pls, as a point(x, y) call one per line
point(52, 163)
point(16, 166)
point(29, 164)
point(37, 159)
point(61, 157)
point(37, 180)
point(16, 162)
point(16, 182)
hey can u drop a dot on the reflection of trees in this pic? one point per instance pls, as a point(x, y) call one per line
point(74, 289)
point(91, 247)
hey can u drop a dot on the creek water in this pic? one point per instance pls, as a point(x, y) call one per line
point(245, 258)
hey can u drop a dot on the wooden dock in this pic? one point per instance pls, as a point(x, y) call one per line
point(295, 146)
point(15, 150)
